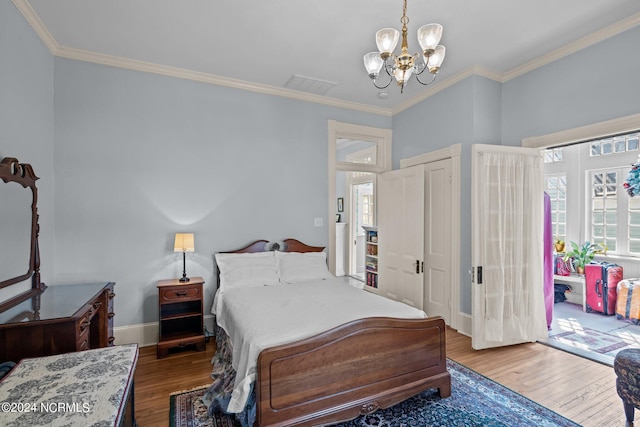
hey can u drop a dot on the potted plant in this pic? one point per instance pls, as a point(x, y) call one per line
point(584, 254)
point(558, 244)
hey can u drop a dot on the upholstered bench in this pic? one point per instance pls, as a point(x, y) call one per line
point(86, 388)
point(627, 368)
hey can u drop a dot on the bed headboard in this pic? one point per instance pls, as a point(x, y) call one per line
point(290, 245)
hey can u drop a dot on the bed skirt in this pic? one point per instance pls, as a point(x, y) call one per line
point(223, 375)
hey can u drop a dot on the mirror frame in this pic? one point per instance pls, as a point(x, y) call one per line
point(11, 170)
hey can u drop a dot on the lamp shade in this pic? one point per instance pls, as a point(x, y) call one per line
point(435, 61)
point(373, 63)
point(429, 36)
point(184, 243)
point(387, 39)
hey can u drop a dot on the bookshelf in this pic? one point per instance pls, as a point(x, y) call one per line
point(371, 257)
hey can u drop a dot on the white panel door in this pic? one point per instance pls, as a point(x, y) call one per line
point(507, 246)
point(437, 251)
point(401, 235)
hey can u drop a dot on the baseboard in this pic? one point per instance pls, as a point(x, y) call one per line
point(464, 324)
point(146, 334)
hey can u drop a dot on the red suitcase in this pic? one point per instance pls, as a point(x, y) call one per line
point(601, 282)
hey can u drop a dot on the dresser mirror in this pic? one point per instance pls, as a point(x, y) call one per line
point(19, 255)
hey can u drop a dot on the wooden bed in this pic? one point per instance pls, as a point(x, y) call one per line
point(351, 370)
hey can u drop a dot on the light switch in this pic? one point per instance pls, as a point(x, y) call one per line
point(317, 222)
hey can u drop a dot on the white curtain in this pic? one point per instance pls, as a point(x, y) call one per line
point(511, 222)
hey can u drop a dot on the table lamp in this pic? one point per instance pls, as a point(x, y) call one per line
point(184, 244)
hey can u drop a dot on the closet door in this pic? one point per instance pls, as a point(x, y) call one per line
point(401, 235)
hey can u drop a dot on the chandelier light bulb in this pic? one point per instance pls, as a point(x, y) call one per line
point(387, 40)
point(434, 61)
point(373, 63)
point(429, 36)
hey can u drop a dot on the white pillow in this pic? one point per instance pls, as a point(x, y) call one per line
point(246, 270)
point(296, 267)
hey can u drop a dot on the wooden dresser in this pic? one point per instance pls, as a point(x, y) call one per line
point(62, 319)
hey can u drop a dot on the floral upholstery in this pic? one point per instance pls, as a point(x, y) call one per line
point(627, 368)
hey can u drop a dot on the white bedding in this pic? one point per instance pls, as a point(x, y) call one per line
point(259, 317)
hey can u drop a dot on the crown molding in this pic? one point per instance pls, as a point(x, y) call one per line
point(81, 55)
point(568, 49)
point(148, 67)
point(592, 131)
point(38, 26)
point(476, 70)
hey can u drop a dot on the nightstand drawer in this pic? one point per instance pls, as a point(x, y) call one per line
point(180, 293)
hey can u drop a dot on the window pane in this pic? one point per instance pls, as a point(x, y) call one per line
point(548, 156)
point(598, 203)
point(634, 246)
point(562, 230)
point(597, 217)
point(598, 191)
point(611, 231)
point(612, 177)
point(611, 245)
point(595, 148)
point(607, 146)
point(597, 231)
point(611, 218)
point(619, 144)
point(598, 178)
point(634, 218)
point(634, 232)
point(557, 155)
point(611, 203)
point(562, 194)
point(632, 142)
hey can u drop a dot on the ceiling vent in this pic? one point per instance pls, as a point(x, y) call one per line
point(309, 84)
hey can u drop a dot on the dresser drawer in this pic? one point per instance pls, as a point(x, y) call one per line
point(181, 293)
point(84, 322)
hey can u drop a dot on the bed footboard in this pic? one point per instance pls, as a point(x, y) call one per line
point(354, 369)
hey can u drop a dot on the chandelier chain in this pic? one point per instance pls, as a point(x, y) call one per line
point(405, 19)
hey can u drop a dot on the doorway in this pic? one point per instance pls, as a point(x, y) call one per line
point(362, 209)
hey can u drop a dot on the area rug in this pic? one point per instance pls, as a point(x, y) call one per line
point(475, 401)
point(595, 345)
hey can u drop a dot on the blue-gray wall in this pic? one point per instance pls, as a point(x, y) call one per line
point(467, 113)
point(140, 156)
point(595, 84)
point(26, 115)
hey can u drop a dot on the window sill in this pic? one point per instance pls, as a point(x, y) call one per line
point(615, 257)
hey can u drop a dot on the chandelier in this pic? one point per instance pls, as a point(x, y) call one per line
point(402, 66)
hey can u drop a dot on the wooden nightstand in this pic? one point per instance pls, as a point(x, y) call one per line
point(181, 315)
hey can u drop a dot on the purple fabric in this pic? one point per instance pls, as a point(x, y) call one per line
point(548, 260)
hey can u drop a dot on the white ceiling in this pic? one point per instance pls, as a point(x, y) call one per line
point(261, 44)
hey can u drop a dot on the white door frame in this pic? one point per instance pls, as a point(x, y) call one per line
point(337, 130)
point(453, 152)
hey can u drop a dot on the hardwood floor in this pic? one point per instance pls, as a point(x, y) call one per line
point(579, 389)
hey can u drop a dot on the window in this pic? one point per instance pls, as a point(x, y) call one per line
point(553, 155)
point(556, 188)
point(604, 207)
point(588, 200)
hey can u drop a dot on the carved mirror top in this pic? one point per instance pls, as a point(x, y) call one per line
point(19, 230)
